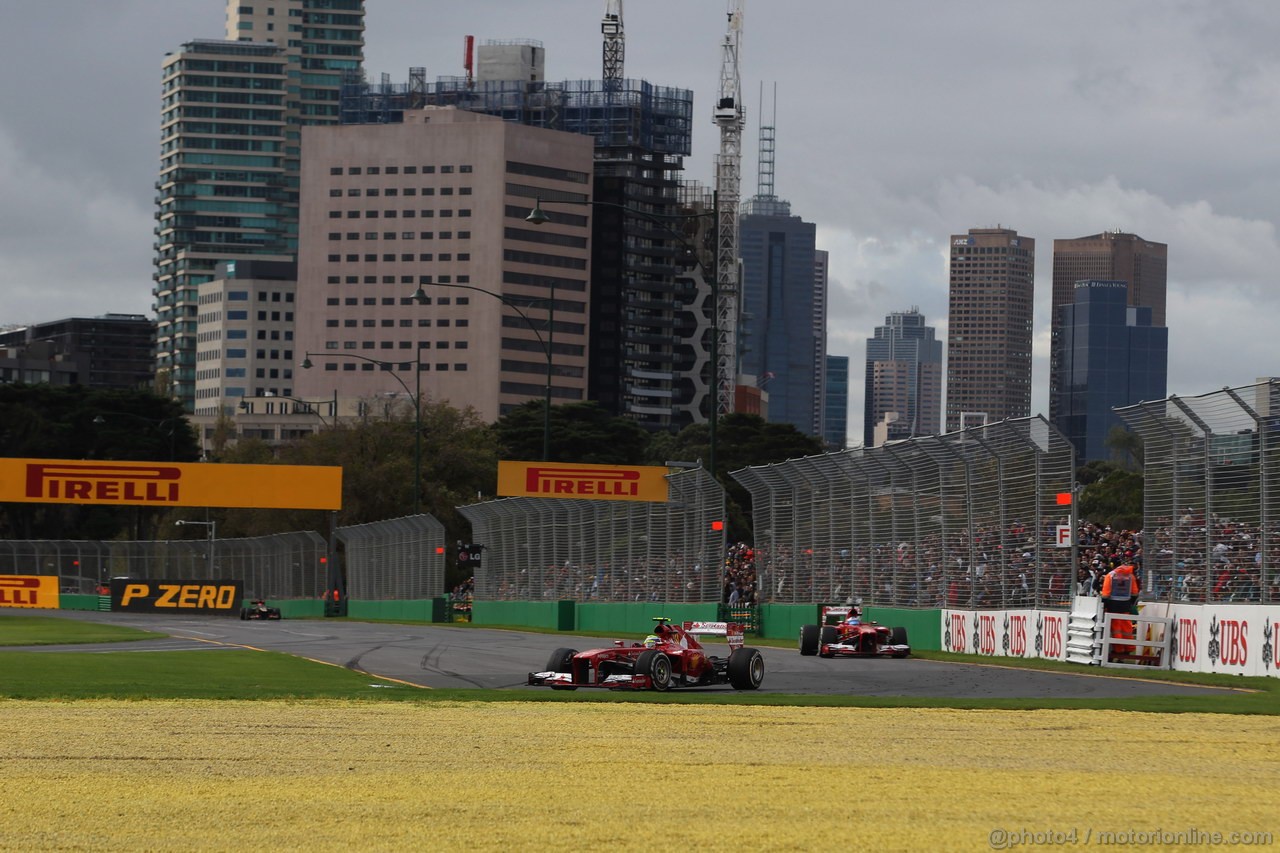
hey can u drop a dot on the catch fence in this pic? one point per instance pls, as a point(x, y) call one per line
point(607, 551)
point(397, 559)
point(1212, 494)
point(966, 519)
point(283, 565)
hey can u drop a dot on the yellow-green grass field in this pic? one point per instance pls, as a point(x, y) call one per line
point(357, 775)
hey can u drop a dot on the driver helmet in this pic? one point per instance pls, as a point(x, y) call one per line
point(651, 641)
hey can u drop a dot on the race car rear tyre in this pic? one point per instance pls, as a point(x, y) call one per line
point(898, 636)
point(808, 639)
point(828, 636)
point(244, 613)
point(746, 668)
point(657, 666)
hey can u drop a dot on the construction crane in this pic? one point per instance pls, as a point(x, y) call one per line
point(614, 42)
point(731, 120)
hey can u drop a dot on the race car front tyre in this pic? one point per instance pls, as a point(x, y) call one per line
point(561, 660)
point(808, 640)
point(657, 666)
point(828, 636)
point(898, 636)
point(746, 668)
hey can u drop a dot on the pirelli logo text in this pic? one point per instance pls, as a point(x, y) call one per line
point(587, 482)
point(131, 484)
point(29, 591)
point(170, 484)
point(167, 596)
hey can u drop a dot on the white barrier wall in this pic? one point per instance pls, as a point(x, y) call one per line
point(1239, 639)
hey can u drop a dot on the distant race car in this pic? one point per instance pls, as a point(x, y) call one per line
point(845, 633)
point(670, 657)
point(259, 610)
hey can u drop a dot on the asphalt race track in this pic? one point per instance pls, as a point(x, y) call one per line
point(456, 657)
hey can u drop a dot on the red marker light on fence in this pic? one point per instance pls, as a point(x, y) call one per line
point(324, 560)
point(717, 525)
point(439, 549)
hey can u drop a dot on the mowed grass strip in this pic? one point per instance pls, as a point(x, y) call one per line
point(50, 630)
point(339, 775)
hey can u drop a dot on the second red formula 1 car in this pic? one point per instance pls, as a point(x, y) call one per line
point(845, 633)
point(670, 657)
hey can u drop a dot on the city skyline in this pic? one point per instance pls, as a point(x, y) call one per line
point(886, 179)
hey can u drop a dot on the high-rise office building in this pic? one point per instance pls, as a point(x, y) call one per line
point(821, 291)
point(1109, 256)
point(643, 331)
point(231, 118)
point(989, 327)
point(780, 302)
point(903, 379)
point(438, 202)
point(1111, 354)
point(835, 421)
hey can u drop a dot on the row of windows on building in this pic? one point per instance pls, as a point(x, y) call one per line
point(390, 192)
point(396, 170)
point(404, 279)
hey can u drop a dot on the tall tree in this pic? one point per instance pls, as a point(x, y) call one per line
point(78, 422)
point(742, 440)
point(580, 432)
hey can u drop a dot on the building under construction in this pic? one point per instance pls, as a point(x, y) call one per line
point(644, 330)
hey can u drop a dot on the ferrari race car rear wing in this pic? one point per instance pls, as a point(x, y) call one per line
point(733, 632)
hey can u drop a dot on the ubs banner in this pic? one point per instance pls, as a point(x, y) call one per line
point(219, 598)
point(29, 591)
point(1006, 633)
point(165, 484)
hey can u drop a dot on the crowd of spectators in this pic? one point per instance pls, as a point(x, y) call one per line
point(740, 576)
point(1012, 567)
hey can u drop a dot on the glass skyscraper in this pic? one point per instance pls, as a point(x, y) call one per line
point(231, 117)
point(1109, 354)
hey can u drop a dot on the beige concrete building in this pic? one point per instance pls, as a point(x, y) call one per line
point(989, 326)
point(438, 204)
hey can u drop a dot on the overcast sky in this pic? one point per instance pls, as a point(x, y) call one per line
point(898, 124)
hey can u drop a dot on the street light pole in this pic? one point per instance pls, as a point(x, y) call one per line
point(213, 538)
point(420, 296)
point(417, 408)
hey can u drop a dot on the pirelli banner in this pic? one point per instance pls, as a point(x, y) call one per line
point(29, 591)
point(585, 482)
point(218, 598)
point(165, 484)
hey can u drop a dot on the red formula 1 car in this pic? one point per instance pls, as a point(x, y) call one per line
point(669, 657)
point(259, 610)
point(844, 632)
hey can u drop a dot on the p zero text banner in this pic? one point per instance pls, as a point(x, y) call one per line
point(176, 596)
point(587, 482)
point(164, 484)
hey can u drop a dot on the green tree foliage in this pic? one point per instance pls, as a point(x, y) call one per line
point(742, 440)
point(1111, 496)
point(459, 463)
point(1127, 448)
point(76, 422)
point(580, 432)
